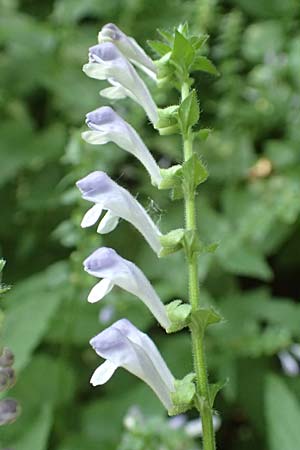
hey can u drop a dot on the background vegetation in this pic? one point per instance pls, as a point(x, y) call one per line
point(250, 204)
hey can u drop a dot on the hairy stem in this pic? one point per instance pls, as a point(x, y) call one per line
point(194, 298)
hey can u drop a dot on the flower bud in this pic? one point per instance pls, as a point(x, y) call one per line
point(7, 378)
point(9, 411)
point(6, 357)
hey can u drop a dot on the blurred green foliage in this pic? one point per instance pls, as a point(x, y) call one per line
point(250, 204)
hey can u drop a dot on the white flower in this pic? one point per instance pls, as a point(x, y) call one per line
point(108, 126)
point(105, 263)
point(129, 47)
point(106, 62)
point(99, 188)
point(193, 428)
point(123, 345)
point(289, 363)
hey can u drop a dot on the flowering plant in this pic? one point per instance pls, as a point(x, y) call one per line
point(122, 344)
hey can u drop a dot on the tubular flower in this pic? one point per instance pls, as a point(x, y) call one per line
point(105, 263)
point(129, 47)
point(108, 126)
point(99, 188)
point(123, 345)
point(106, 62)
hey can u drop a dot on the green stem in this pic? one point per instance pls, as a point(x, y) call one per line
point(194, 297)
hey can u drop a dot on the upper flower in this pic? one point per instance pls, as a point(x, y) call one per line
point(123, 345)
point(99, 188)
point(107, 125)
point(106, 62)
point(105, 263)
point(129, 47)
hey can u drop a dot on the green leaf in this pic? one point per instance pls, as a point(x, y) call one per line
point(205, 65)
point(282, 412)
point(36, 437)
point(38, 297)
point(159, 47)
point(214, 389)
point(194, 172)
point(243, 259)
point(198, 41)
point(183, 28)
point(189, 112)
point(166, 35)
point(203, 134)
point(204, 317)
point(183, 52)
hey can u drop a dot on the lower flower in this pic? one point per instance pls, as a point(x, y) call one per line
point(124, 345)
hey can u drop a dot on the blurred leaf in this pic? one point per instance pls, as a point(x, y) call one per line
point(282, 412)
point(36, 437)
point(38, 297)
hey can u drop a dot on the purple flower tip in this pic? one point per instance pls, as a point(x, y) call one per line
point(94, 183)
point(103, 341)
point(103, 52)
point(102, 258)
point(100, 116)
point(112, 31)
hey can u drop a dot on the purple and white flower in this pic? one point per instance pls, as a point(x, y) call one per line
point(114, 270)
point(290, 360)
point(107, 126)
point(99, 188)
point(123, 345)
point(129, 47)
point(106, 62)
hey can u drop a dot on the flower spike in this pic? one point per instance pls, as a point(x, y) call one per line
point(105, 263)
point(129, 47)
point(106, 62)
point(99, 188)
point(124, 345)
point(107, 126)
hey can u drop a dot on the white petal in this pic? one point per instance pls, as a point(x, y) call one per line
point(103, 373)
point(100, 290)
point(108, 223)
point(95, 137)
point(94, 70)
point(114, 93)
point(91, 216)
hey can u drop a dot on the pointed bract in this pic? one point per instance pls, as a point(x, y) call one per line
point(105, 263)
point(99, 188)
point(108, 126)
point(106, 62)
point(123, 345)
